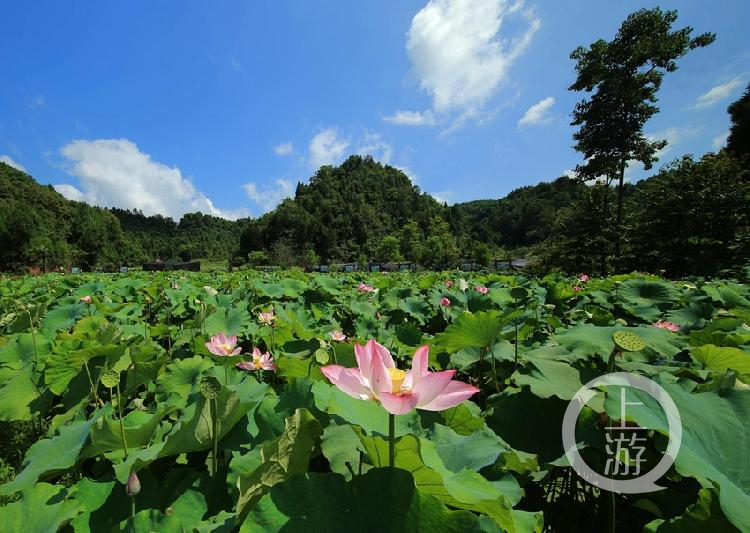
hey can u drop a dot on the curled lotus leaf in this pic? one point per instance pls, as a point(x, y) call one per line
point(519, 293)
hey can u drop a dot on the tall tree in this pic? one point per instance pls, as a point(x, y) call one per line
point(738, 143)
point(624, 75)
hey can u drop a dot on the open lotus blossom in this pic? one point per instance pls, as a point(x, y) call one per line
point(481, 289)
point(266, 317)
point(261, 361)
point(448, 283)
point(337, 335)
point(398, 391)
point(577, 288)
point(666, 324)
point(364, 287)
point(222, 345)
point(584, 278)
point(86, 299)
point(444, 302)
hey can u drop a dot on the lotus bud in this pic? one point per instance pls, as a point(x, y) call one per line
point(133, 486)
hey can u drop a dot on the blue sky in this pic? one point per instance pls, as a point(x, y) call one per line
point(222, 107)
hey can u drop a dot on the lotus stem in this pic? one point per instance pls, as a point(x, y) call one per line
point(33, 336)
point(335, 359)
point(122, 427)
point(391, 440)
point(213, 406)
point(97, 401)
point(494, 370)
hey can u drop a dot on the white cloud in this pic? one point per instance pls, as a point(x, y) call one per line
point(269, 197)
point(674, 136)
point(458, 53)
point(374, 145)
point(70, 192)
point(8, 160)
point(718, 93)
point(412, 118)
point(720, 141)
point(115, 173)
point(409, 174)
point(284, 148)
point(538, 113)
point(326, 148)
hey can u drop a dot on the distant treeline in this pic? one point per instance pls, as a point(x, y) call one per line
point(692, 217)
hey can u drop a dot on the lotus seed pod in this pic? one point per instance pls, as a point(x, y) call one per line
point(321, 356)
point(628, 341)
point(110, 379)
point(209, 387)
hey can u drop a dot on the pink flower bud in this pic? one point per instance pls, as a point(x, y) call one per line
point(133, 486)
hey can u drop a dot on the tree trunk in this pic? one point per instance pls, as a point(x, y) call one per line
point(618, 222)
point(605, 223)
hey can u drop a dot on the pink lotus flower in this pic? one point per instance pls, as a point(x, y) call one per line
point(266, 317)
point(260, 362)
point(448, 283)
point(666, 324)
point(584, 278)
point(133, 486)
point(378, 379)
point(222, 345)
point(481, 289)
point(86, 299)
point(337, 335)
point(577, 288)
point(364, 287)
point(444, 302)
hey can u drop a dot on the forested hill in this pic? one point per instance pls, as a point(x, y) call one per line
point(354, 211)
point(39, 226)
point(524, 217)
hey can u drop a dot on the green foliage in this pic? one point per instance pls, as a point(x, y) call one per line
point(738, 142)
point(293, 450)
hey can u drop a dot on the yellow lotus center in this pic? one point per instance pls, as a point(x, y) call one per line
point(225, 347)
point(257, 363)
point(397, 378)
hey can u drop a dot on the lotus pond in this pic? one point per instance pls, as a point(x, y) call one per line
point(284, 401)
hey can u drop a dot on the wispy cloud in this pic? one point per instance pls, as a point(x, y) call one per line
point(235, 63)
point(269, 197)
point(373, 144)
point(327, 147)
point(718, 93)
point(720, 141)
point(444, 197)
point(411, 118)
point(116, 173)
point(37, 103)
point(8, 160)
point(284, 148)
point(538, 113)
